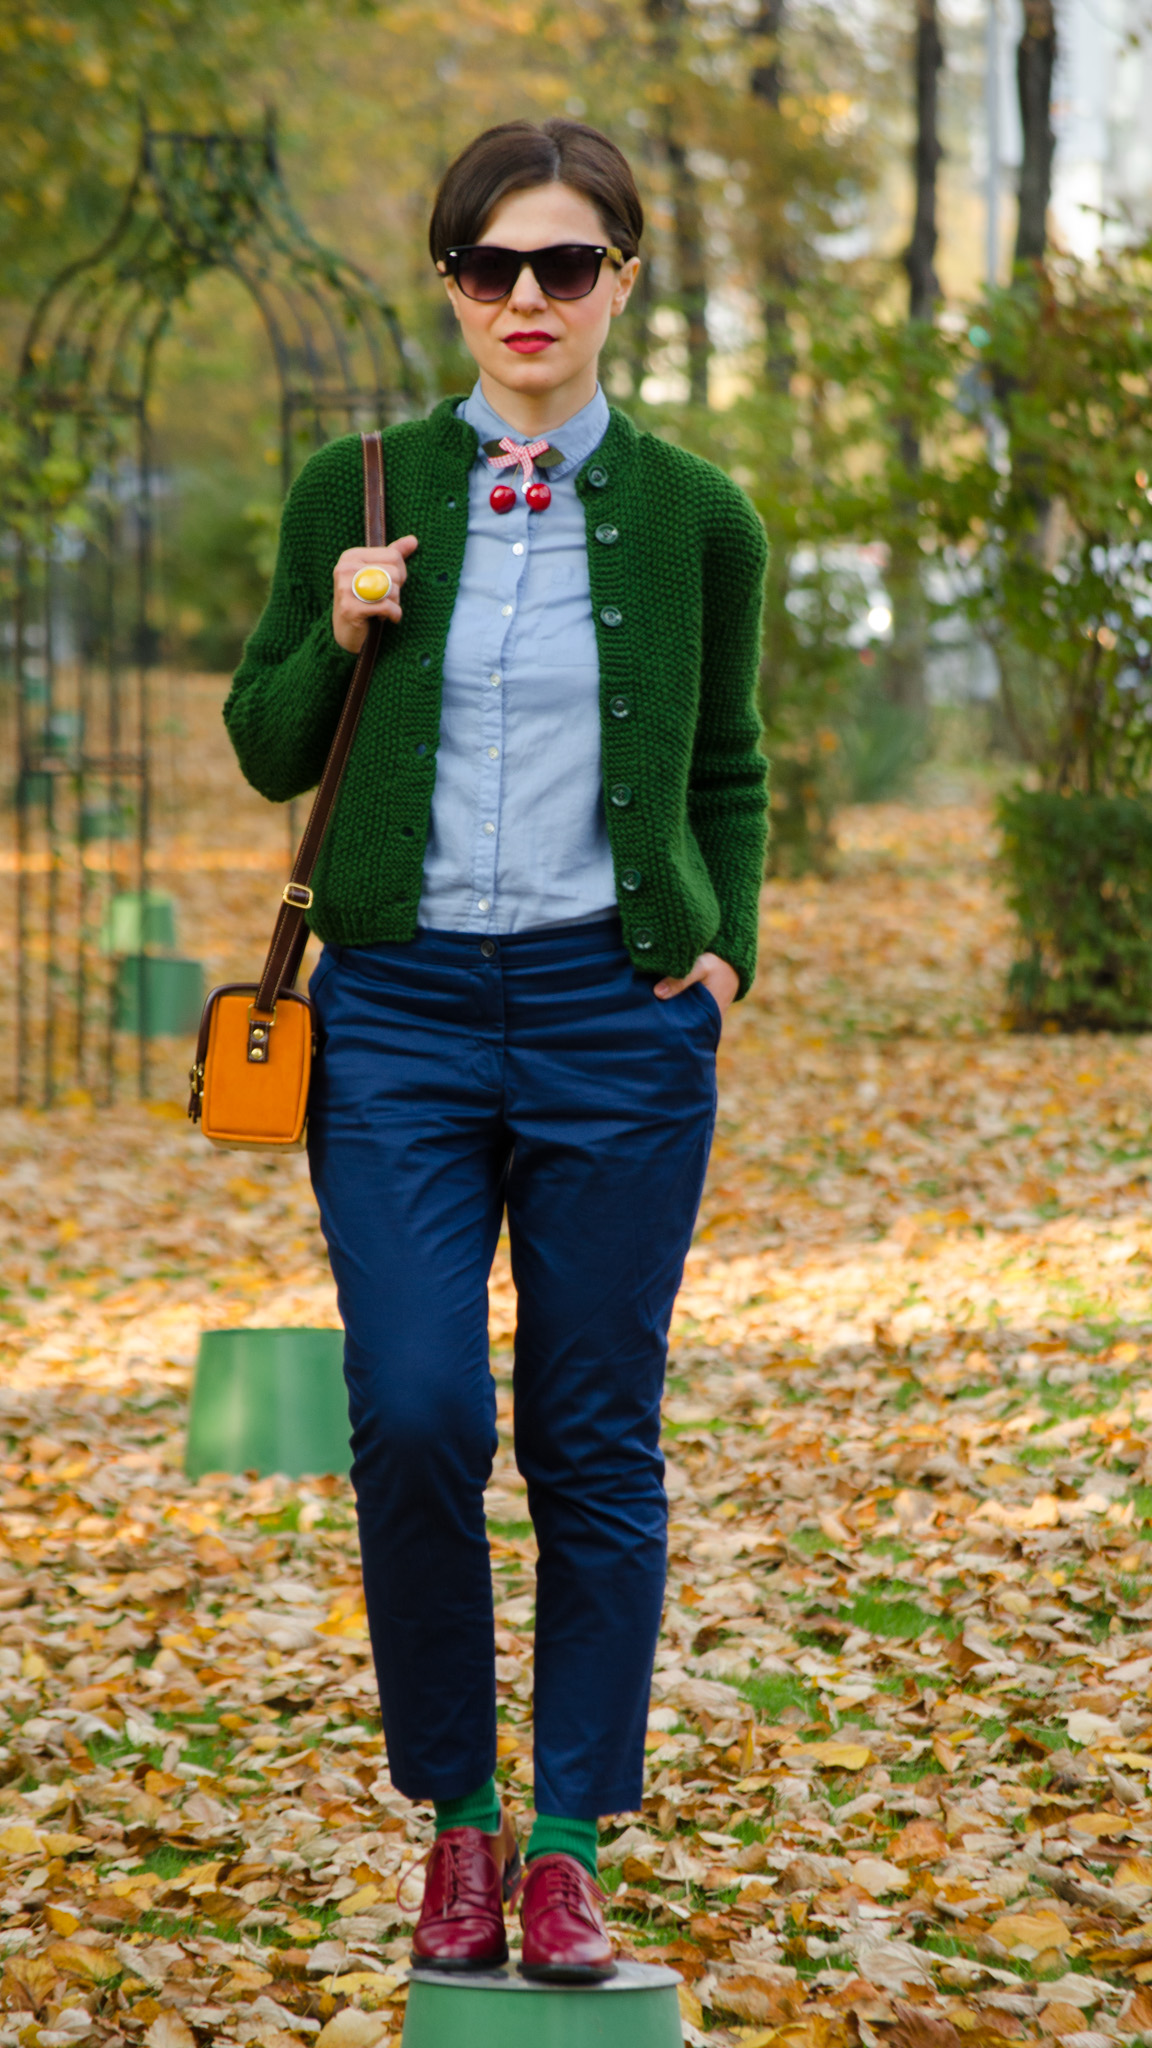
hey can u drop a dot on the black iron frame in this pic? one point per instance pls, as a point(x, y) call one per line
point(197, 202)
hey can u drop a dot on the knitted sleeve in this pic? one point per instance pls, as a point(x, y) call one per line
point(727, 796)
point(285, 700)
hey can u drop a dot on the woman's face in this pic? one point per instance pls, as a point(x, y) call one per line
point(527, 343)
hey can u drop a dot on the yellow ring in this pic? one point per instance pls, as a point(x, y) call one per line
point(372, 585)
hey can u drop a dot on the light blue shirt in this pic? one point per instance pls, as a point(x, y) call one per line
point(518, 837)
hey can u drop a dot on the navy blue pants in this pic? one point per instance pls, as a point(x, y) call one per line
point(457, 1076)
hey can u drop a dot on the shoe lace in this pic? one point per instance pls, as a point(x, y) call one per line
point(565, 1883)
point(451, 1854)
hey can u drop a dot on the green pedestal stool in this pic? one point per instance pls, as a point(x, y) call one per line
point(269, 1401)
point(134, 921)
point(637, 2008)
point(169, 992)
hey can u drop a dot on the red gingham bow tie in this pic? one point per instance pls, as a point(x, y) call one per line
point(518, 453)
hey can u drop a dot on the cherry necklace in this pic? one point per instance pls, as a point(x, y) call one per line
point(510, 454)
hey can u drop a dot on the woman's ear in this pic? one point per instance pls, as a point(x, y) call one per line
point(450, 288)
point(625, 279)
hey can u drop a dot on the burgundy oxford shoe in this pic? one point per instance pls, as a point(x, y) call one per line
point(469, 1876)
point(565, 1938)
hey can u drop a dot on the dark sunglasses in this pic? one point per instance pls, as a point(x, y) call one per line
point(569, 270)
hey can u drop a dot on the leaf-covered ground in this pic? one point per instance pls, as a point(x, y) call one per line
point(901, 1731)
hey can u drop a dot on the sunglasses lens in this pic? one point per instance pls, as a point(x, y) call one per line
point(566, 272)
point(486, 273)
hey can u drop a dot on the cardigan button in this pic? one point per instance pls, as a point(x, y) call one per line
point(619, 707)
point(608, 535)
point(621, 796)
point(421, 748)
point(610, 616)
point(630, 880)
point(643, 941)
point(597, 478)
point(425, 661)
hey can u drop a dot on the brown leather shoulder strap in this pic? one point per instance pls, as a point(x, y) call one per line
point(290, 936)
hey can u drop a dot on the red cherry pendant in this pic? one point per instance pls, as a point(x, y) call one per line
point(538, 497)
point(502, 498)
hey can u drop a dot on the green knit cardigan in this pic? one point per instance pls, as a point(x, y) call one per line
point(676, 558)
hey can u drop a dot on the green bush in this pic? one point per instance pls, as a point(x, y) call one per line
point(217, 559)
point(1078, 870)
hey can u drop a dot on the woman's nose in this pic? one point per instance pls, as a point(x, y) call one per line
point(526, 292)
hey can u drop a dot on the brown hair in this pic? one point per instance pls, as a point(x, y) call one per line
point(519, 155)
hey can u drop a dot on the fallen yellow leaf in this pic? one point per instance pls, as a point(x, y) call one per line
point(76, 1959)
point(1031, 1930)
point(20, 1840)
point(690, 2006)
point(1102, 1824)
point(835, 1756)
point(358, 1901)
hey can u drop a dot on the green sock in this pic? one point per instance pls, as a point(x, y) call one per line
point(552, 1836)
point(480, 1809)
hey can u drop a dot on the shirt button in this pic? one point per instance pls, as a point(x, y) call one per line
point(621, 796)
point(517, 547)
point(488, 948)
point(611, 617)
point(493, 753)
point(597, 478)
point(608, 535)
point(494, 678)
point(483, 904)
point(642, 941)
point(630, 880)
point(505, 611)
point(619, 707)
point(488, 827)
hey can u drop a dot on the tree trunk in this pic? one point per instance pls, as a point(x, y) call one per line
point(691, 260)
point(907, 652)
point(920, 255)
point(766, 83)
point(667, 17)
point(1035, 65)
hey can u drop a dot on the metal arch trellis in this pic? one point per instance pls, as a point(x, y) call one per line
point(76, 528)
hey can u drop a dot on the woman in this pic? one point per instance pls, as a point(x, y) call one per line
point(537, 897)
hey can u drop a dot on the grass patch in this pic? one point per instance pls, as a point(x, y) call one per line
point(890, 1546)
point(512, 1532)
point(772, 1692)
point(168, 1861)
point(902, 1619)
point(911, 1774)
point(284, 1522)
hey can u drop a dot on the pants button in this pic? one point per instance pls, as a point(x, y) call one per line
point(488, 948)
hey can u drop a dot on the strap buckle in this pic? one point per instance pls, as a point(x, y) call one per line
point(297, 895)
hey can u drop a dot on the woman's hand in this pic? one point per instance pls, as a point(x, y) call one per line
point(350, 615)
point(719, 979)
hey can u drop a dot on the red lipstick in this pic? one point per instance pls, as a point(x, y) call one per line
point(529, 344)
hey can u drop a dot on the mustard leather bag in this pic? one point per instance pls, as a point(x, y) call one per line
point(253, 1065)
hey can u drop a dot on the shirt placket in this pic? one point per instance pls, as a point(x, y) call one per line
point(493, 686)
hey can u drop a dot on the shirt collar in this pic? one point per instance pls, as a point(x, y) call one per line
point(577, 437)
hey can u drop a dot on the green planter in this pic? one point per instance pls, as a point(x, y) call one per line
point(269, 1401)
point(104, 821)
point(637, 2008)
point(171, 993)
point(34, 786)
point(134, 922)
